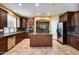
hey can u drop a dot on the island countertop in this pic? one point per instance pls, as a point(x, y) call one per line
point(41, 34)
point(41, 40)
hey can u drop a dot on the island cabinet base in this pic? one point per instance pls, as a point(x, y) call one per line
point(40, 40)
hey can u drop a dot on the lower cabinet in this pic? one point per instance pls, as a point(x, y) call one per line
point(3, 45)
point(69, 39)
point(17, 38)
point(73, 41)
point(20, 36)
point(7, 42)
point(77, 44)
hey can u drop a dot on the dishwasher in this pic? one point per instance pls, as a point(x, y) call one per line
point(11, 41)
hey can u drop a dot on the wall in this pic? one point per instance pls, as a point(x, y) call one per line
point(53, 20)
point(53, 26)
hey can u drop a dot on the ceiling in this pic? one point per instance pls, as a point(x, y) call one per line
point(44, 9)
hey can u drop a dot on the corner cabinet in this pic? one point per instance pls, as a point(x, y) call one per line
point(3, 18)
point(73, 40)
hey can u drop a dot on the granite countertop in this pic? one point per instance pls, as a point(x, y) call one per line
point(41, 34)
point(72, 33)
point(9, 34)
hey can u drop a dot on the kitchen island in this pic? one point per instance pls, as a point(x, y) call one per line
point(40, 40)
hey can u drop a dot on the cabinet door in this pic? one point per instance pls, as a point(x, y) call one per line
point(17, 39)
point(3, 45)
point(73, 41)
point(69, 39)
point(65, 17)
point(76, 18)
point(77, 44)
point(34, 41)
point(3, 19)
point(72, 21)
point(24, 23)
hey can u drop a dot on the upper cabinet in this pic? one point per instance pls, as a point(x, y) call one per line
point(30, 22)
point(18, 22)
point(66, 16)
point(75, 19)
point(76, 16)
point(23, 22)
point(69, 18)
point(63, 17)
point(3, 18)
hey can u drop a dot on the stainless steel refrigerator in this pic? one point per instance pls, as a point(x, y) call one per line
point(62, 32)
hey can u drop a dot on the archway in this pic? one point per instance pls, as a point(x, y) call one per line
point(42, 26)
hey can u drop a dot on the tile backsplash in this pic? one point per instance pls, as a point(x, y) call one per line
point(1, 30)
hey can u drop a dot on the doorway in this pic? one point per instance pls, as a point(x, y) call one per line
point(42, 26)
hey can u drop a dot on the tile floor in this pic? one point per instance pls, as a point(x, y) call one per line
point(23, 48)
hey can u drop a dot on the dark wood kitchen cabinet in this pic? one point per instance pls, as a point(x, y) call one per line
point(63, 17)
point(23, 22)
point(40, 40)
point(20, 36)
point(69, 18)
point(3, 18)
point(73, 40)
point(69, 39)
point(77, 44)
point(76, 18)
point(30, 22)
point(3, 45)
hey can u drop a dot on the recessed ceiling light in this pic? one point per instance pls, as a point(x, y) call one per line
point(20, 4)
point(37, 4)
point(38, 13)
point(15, 11)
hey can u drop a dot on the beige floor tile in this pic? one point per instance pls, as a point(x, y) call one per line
point(23, 48)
